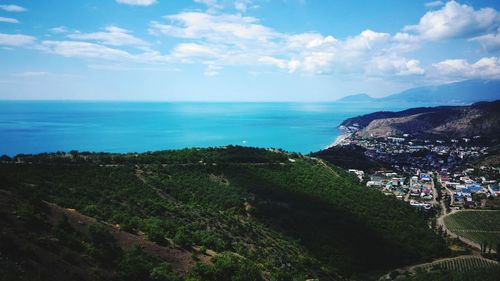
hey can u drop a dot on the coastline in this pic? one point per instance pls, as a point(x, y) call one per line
point(339, 140)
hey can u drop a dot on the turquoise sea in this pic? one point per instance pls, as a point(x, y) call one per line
point(49, 126)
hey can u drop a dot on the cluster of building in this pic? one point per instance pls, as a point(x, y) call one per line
point(469, 187)
point(408, 154)
point(417, 190)
point(415, 162)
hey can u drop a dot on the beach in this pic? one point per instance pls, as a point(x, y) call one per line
point(339, 140)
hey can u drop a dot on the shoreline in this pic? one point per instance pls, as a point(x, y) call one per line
point(339, 140)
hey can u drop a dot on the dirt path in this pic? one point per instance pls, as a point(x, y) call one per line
point(328, 168)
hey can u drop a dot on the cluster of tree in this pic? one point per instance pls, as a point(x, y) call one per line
point(231, 153)
point(295, 219)
point(349, 157)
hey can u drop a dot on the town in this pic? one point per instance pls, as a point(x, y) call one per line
point(429, 174)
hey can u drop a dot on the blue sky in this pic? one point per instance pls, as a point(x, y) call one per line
point(244, 50)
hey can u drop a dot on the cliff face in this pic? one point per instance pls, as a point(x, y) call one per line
point(481, 119)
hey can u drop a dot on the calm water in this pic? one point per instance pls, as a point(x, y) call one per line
point(32, 127)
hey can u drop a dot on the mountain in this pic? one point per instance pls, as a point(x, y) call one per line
point(356, 98)
point(230, 213)
point(479, 119)
point(458, 93)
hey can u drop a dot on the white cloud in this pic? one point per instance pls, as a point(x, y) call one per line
point(218, 40)
point(212, 70)
point(455, 20)
point(192, 50)
point(84, 50)
point(404, 37)
point(487, 67)
point(434, 4)
point(137, 2)
point(279, 63)
point(233, 39)
point(367, 39)
point(59, 29)
point(309, 40)
point(87, 50)
point(16, 39)
point(8, 20)
point(32, 74)
point(241, 6)
point(490, 42)
point(394, 65)
point(42, 74)
point(197, 25)
point(212, 5)
point(112, 35)
point(12, 8)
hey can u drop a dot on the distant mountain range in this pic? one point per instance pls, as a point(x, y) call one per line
point(480, 119)
point(459, 93)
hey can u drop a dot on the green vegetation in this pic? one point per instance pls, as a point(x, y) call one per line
point(269, 217)
point(462, 264)
point(483, 274)
point(479, 226)
point(349, 157)
point(35, 246)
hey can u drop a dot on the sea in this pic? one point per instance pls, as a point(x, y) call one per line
point(28, 127)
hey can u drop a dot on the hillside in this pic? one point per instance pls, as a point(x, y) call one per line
point(458, 93)
point(480, 119)
point(348, 157)
point(210, 214)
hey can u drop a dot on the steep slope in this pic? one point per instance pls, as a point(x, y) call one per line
point(458, 93)
point(42, 241)
point(288, 217)
point(479, 119)
point(348, 157)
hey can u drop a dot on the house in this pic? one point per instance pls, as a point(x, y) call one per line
point(469, 202)
point(471, 188)
point(494, 190)
point(374, 183)
point(397, 181)
point(394, 139)
point(360, 174)
point(453, 185)
point(424, 177)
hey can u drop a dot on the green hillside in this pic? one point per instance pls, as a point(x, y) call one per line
point(226, 212)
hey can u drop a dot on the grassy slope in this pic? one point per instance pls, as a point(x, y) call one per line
point(479, 226)
point(293, 219)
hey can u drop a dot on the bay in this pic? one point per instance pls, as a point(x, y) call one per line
point(49, 126)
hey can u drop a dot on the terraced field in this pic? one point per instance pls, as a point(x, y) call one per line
point(460, 264)
point(478, 226)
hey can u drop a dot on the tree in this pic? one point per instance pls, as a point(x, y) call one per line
point(103, 245)
point(498, 252)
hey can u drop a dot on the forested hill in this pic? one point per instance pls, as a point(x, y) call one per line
point(228, 213)
point(479, 119)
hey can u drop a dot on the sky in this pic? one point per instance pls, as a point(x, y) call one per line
point(243, 50)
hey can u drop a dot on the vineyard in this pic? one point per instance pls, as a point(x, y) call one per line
point(478, 226)
point(459, 264)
